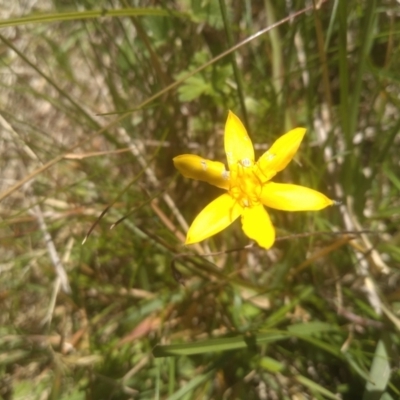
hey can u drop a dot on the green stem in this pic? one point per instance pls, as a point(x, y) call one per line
point(235, 68)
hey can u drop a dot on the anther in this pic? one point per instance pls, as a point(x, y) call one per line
point(246, 162)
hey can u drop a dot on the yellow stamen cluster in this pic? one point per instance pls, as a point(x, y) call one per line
point(245, 186)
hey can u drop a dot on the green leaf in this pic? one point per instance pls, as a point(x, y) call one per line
point(311, 328)
point(271, 365)
point(315, 387)
point(379, 373)
point(191, 385)
point(386, 396)
point(13, 356)
point(193, 88)
point(281, 314)
point(77, 15)
point(220, 344)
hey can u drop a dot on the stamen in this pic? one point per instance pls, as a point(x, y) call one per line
point(245, 185)
point(225, 175)
point(246, 162)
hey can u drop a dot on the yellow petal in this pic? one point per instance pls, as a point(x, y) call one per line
point(280, 154)
point(219, 214)
point(287, 197)
point(238, 145)
point(195, 167)
point(257, 226)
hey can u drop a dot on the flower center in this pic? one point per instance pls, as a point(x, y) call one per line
point(245, 185)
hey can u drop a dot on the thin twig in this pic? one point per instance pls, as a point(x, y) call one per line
point(179, 278)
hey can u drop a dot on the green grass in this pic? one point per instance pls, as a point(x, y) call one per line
point(96, 99)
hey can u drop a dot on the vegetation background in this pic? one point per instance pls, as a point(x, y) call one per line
point(96, 99)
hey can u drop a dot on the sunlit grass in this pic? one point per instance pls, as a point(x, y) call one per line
point(94, 108)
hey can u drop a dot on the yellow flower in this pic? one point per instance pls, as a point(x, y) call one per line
point(248, 185)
